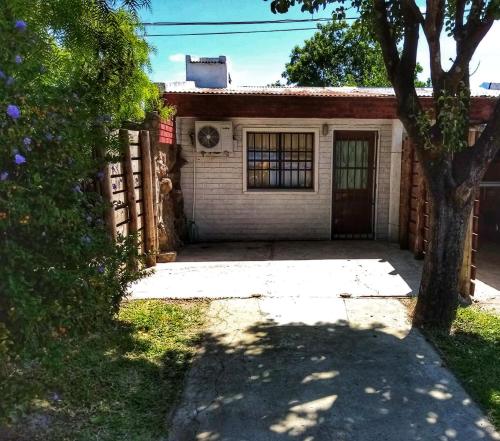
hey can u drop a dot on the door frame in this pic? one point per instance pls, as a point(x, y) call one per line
point(376, 159)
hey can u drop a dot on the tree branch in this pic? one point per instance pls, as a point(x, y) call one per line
point(401, 68)
point(411, 21)
point(473, 33)
point(471, 164)
point(459, 19)
point(433, 27)
point(387, 39)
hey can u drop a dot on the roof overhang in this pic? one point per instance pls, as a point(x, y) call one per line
point(219, 104)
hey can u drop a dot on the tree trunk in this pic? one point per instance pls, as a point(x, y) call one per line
point(439, 289)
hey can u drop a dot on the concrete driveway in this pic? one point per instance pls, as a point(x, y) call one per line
point(284, 269)
point(321, 369)
point(287, 356)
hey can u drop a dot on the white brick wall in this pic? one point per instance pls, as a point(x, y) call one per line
point(225, 211)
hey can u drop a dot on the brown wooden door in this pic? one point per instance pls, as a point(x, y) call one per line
point(353, 185)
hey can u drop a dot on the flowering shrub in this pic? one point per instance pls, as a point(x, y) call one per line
point(65, 85)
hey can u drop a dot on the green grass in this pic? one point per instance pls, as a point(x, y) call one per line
point(472, 352)
point(117, 384)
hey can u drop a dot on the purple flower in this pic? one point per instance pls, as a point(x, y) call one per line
point(4, 176)
point(55, 397)
point(20, 25)
point(49, 137)
point(77, 189)
point(10, 81)
point(100, 268)
point(13, 111)
point(19, 159)
point(18, 59)
point(27, 141)
point(114, 186)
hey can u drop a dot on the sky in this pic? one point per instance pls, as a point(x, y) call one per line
point(259, 59)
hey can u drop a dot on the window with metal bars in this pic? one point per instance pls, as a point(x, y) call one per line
point(352, 164)
point(280, 160)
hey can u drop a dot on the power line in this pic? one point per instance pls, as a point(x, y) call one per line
point(225, 23)
point(250, 22)
point(230, 32)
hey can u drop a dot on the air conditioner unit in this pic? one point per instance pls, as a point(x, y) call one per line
point(214, 136)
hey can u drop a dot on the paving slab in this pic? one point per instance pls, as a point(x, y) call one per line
point(284, 269)
point(344, 370)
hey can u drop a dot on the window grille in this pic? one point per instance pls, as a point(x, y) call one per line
point(280, 160)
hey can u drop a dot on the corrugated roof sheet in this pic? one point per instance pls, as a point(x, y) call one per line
point(312, 91)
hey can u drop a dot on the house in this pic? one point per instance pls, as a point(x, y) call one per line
point(300, 163)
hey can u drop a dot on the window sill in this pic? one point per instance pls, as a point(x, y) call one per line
point(280, 190)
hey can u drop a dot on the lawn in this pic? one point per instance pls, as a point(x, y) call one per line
point(118, 384)
point(472, 352)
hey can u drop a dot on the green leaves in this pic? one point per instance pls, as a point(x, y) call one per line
point(453, 119)
point(452, 123)
point(79, 73)
point(337, 55)
point(281, 6)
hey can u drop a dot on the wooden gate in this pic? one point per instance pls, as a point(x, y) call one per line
point(353, 185)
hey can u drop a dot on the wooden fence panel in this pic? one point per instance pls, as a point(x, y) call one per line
point(147, 177)
point(125, 139)
point(120, 199)
point(416, 217)
point(474, 246)
point(107, 193)
point(127, 186)
point(415, 213)
point(405, 193)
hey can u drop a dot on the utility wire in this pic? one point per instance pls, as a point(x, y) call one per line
point(252, 22)
point(230, 32)
point(224, 23)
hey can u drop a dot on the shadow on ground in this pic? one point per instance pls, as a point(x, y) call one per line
point(290, 250)
point(331, 381)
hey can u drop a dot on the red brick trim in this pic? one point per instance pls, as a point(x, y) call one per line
point(166, 132)
point(270, 106)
